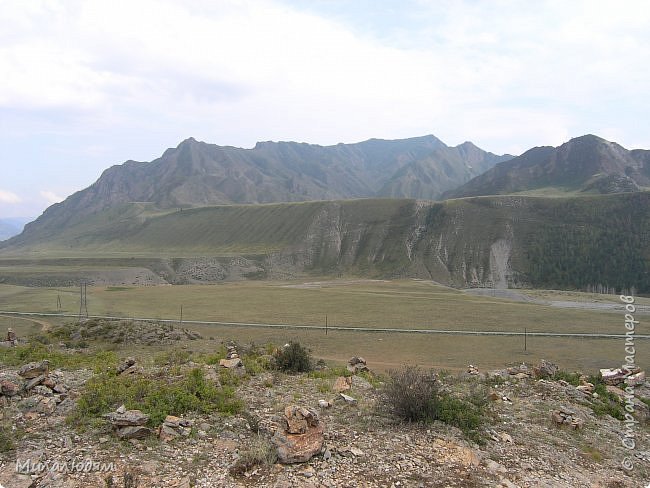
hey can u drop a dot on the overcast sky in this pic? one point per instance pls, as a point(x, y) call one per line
point(88, 84)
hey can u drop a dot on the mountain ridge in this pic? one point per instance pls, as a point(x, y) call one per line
point(583, 164)
point(197, 174)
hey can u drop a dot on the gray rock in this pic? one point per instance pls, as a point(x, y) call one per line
point(34, 381)
point(127, 418)
point(133, 432)
point(32, 370)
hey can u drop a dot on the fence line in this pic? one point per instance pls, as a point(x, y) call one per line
point(342, 327)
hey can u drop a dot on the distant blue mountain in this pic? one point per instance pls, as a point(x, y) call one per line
point(10, 227)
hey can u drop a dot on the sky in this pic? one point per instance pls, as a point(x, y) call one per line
point(88, 84)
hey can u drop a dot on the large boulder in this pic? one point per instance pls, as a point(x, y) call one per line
point(123, 418)
point(33, 370)
point(302, 436)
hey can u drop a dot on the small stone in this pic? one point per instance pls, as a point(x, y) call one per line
point(347, 398)
point(37, 380)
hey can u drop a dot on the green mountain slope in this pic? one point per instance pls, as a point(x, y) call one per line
point(483, 241)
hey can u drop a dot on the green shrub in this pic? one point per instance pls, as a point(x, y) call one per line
point(97, 361)
point(294, 358)
point(571, 378)
point(155, 397)
point(212, 358)
point(607, 403)
point(7, 441)
point(465, 415)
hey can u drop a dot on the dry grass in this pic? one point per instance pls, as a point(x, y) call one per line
point(398, 304)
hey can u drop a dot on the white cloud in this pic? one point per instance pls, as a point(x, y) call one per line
point(9, 197)
point(50, 197)
point(239, 71)
point(506, 74)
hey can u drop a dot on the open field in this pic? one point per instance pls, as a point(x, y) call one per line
point(359, 303)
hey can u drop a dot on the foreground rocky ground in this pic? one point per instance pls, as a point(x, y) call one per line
point(539, 431)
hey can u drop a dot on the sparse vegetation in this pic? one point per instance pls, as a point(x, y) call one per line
point(607, 403)
point(7, 441)
point(260, 453)
point(98, 360)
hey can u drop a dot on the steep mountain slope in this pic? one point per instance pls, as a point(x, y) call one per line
point(586, 163)
point(506, 241)
point(197, 174)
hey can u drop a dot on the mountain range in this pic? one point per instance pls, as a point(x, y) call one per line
point(197, 174)
point(202, 212)
point(584, 164)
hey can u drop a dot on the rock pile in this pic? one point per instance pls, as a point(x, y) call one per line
point(232, 361)
point(11, 339)
point(35, 389)
point(173, 427)
point(520, 372)
point(566, 416)
point(129, 424)
point(473, 370)
point(545, 369)
point(301, 436)
point(619, 376)
point(127, 367)
point(357, 365)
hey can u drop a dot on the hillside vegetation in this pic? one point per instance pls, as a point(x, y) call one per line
point(486, 241)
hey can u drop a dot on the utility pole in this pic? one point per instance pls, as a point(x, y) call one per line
point(325, 324)
point(181, 322)
point(525, 339)
point(83, 299)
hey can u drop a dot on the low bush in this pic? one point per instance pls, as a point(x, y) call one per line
point(294, 358)
point(97, 361)
point(571, 378)
point(414, 395)
point(606, 403)
point(155, 397)
point(411, 394)
point(7, 441)
point(260, 453)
